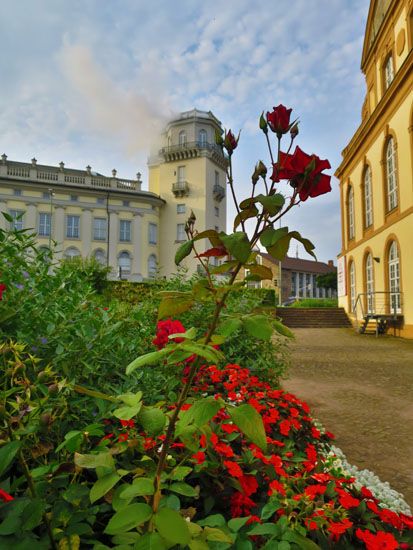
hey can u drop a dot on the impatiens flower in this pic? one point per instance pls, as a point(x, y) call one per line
point(2, 289)
point(241, 505)
point(313, 490)
point(304, 172)
point(276, 487)
point(346, 500)
point(249, 485)
point(279, 120)
point(377, 541)
point(285, 427)
point(337, 528)
point(199, 457)
point(233, 468)
point(127, 423)
point(5, 497)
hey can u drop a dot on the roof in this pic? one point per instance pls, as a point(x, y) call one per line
point(298, 264)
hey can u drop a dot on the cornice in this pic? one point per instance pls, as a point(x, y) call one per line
point(402, 77)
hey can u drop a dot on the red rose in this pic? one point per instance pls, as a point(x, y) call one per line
point(5, 497)
point(279, 120)
point(304, 173)
point(2, 289)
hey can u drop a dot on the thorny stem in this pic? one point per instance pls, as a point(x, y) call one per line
point(269, 147)
point(231, 184)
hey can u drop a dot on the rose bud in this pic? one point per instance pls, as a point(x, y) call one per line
point(218, 138)
point(260, 171)
point(294, 130)
point(279, 120)
point(263, 123)
point(230, 142)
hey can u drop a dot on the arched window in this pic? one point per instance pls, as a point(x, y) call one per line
point(202, 138)
point(124, 264)
point(152, 266)
point(391, 175)
point(368, 198)
point(350, 215)
point(369, 278)
point(352, 272)
point(388, 71)
point(100, 256)
point(71, 252)
point(394, 278)
point(182, 138)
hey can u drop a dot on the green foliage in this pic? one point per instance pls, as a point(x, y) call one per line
point(328, 280)
point(316, 302)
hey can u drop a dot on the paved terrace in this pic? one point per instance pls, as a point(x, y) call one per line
point(361, 388)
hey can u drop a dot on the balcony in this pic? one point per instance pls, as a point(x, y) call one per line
point(218, 192)
point(180, 188)
point(194, 149)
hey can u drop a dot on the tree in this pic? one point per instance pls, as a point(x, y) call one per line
point(327, 280)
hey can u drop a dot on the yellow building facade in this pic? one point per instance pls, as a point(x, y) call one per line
point(375, 266)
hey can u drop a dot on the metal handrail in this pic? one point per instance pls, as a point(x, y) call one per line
point(379, 304)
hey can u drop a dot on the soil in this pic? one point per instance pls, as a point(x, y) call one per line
point(360, 388)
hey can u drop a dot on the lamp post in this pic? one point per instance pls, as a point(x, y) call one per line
point(51, 195)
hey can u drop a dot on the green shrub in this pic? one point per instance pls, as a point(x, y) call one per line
point(316, 302)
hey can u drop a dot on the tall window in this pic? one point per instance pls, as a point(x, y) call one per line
point(124, 264)
point(181, 173)
point(182, 138)
point(388, 71)
point(202, 138)
point(180, 232)
point(71, 252)
point(180, 209)
point(369, 284)
point(17, 222)
point(351, 213)
point(394, 278)
point(368, 199)
point(352, 272)
point(72, 227)
point(293, 284)
point(391, 175)
point(152, 266)
point(99, 229)
point(216, 177)
point(153, 233)
point(125, 231)
point(100, 256)
point(44, 224)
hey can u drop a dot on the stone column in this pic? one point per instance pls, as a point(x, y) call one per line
point(58, 229)
point(30, 217)
point(137, 274)
point(113, 241)
point(86, 231)
point(3, 208)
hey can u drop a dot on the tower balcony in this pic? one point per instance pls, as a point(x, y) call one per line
point(218, 192)
point(194, 149)
point(180, 188)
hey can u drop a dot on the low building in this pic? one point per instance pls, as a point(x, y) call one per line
point(299, 279)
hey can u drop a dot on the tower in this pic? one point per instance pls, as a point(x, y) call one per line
point(189, 173)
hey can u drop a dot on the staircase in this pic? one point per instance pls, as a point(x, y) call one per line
point(373, 326)
point(309, 317)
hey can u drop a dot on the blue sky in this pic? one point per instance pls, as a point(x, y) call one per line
point(92, 81)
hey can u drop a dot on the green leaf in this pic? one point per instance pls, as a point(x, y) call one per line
point(172, 526)
point(280, 248)
point(302, 542)
point(270, 508)
point(261, 271)
point(270, 236)
point(126, 413)
point(183, 488)
point(258, 326)
point(229, 326)
point(131, 399)
point(216, 520)
point(249, 421)
point(264, 529)
point(150, 541)
point(128, 518)
point(197, 544)
point(246, 203)
point(210, 234)
point(237, 244)
point(282, 329)
point(183, 251)
point(103, 485)
point(201, 412)
point(214, 534)
point(224, 268)
point(152, 420)
point(170, 307)
point(271, 203)
point(7, 454)
point(32, 515)
point(207, 352)
point(189, 334)
point(245, 215)
point(180, 472)
point(93, 461)
point(308, 245)
point(236, 523)
point(141, 486)
point(147, 359)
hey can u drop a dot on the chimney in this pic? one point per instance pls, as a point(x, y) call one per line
point(331, 263)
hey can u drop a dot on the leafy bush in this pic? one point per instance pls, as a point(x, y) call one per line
point(316, 302)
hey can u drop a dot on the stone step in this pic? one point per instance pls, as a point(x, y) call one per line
point(313, 317)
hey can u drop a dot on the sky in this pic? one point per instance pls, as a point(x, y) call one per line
point(92, 82)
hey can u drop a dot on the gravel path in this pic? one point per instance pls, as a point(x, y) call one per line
point(361, 388)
